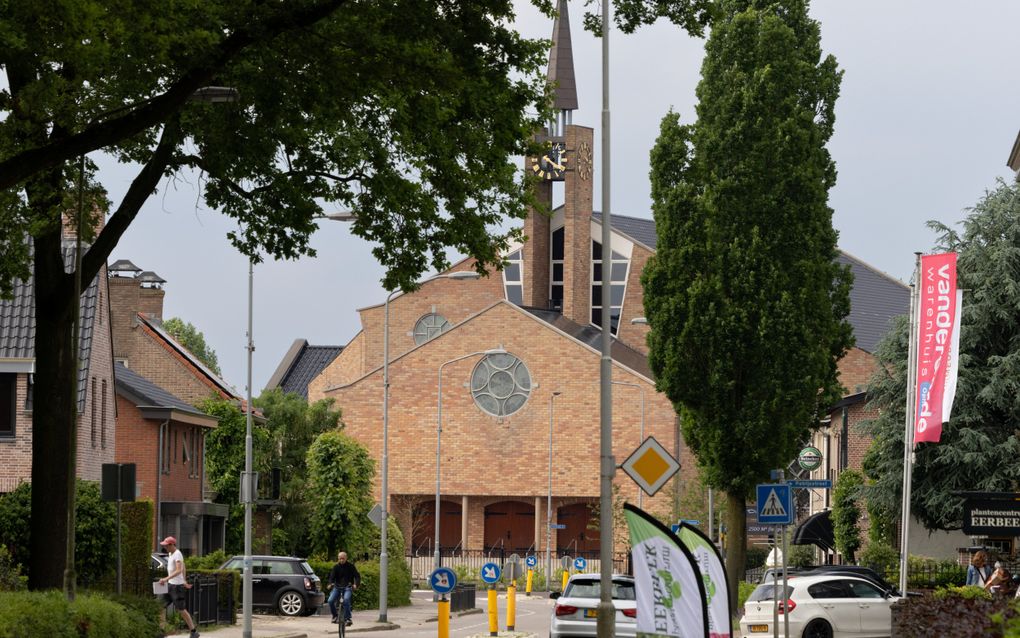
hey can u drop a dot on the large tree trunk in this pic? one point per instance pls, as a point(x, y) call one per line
point(736, 544)
point(53, 409)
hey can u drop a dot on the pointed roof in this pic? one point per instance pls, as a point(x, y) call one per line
point(301, 364)
point(561, 62)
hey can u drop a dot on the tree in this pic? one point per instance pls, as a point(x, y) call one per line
point(746, 302)
point(979, 445)
point(192, 338)
point(846, 513)
point(340, 486)
point(225, 460)
point(293, 425)
point(407, 113)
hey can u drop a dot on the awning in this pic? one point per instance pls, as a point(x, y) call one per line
point(817, 530)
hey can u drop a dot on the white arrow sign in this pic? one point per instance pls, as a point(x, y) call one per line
point(489, 572)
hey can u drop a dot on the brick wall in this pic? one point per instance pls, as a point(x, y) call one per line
point(855, 370)
point(16, 453)
point(536, 249)
point(577, 208)
point(486, 457)
point(633, 302)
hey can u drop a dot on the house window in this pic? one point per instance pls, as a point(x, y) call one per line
point(556, 270)
point(93, 399)
point(619, 265)
point(429, 327)
point(8, 401)
point(513, 278)
point(500, 384)
point(102, 412)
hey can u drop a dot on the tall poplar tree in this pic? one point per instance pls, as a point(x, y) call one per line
point(746, 302)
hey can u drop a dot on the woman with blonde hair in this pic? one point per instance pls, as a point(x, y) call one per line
point(979, 571)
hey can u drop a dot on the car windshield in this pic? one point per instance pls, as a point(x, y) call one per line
point(622, 589)
point(767, 592)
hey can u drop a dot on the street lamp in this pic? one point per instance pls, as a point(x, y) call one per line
point(439, 430)
point(642, 432)
point(383, 554)
point(548, 509)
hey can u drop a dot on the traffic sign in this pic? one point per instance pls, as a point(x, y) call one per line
point(691, 521)
point(557, 526)
point(580, 563)
point(775, 505)
point(650, 466)
point(531, 561)
point(443, 580)
point(375, 515)
point(491, 573)
point(821, 484)
point(565, 562)
point(675, 527)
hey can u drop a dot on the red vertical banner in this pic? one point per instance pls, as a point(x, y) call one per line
point(938, 324)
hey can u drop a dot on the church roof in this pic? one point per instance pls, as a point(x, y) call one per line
point(301, 364)
point(561, 62)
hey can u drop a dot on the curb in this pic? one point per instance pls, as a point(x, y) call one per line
point(379, 626)
point(457, 614)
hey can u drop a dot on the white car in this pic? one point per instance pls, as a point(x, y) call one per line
point(576, 609)
point(824, 606)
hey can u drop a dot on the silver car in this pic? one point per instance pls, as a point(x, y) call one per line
point(576, 609)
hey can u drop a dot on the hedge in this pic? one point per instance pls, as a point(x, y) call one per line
point(398, 592)
point(31, 614)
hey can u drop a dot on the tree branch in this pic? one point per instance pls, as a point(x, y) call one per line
point(152, 112)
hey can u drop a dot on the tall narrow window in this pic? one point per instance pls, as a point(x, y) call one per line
point(102, 411)
point(556, 270)
point(513, 278)
point(619, 265)
point(8, 401)
point(93, 399)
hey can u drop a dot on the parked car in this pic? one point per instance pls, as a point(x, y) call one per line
point(576, 609)
point(284, 583)
point(158, 561)
point(866, 573)
point(832, 605)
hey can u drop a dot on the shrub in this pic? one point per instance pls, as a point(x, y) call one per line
point(10, 572)
point(26, 614)
point(960, 612)
point(97, 616)
point(755, 557)
point(209, 562)
point(880, 557)
point(744, 591)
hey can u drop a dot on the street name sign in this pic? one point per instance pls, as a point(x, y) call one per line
point(817, 484)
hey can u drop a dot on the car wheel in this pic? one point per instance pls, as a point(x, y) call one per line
point(818, 629)
point(291, 603)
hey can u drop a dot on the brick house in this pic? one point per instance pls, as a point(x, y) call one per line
point(158, 384)
point(97, 432)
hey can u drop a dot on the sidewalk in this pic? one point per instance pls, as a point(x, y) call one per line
point(421, 611)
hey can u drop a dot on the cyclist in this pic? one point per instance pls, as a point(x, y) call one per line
point(344, 579)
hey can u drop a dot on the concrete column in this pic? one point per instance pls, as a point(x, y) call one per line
point(539, 536)
point(463, 522)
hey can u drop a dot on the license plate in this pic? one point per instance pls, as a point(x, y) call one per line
point(590, 613)
point(763, 629)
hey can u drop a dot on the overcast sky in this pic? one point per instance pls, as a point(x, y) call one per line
point(928, 113)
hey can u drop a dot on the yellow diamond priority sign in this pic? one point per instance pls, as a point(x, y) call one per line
point(650, 466)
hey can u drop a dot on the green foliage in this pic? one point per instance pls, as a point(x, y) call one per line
point(966, 592)
point(746, 302)
point(224, 462)
point(879, 556)
point(846, 513)
point(192, 338)
point(745, 589)
point(340, 479)
point(136, 534)
point(293, 424)
point(881, 521)
point(210, 561)
point(978, 450)
point(10, 572)
point(755, 557)
point(398, 592)
point(24, 614)
point(95, 526)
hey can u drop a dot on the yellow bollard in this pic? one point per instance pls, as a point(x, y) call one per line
point(444, 618)
point(493, 613)
point(511, 605)
point(527, 587)
point(566, 576)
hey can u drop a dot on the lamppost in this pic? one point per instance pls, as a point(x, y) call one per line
point(439, 431)
point(548, 509)
point(383, 554)
point(642, 431)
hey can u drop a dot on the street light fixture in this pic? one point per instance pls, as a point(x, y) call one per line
point(384, 554)
point(548, 510)
point(439, 431)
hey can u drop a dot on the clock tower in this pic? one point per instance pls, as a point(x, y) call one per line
point(557, 254)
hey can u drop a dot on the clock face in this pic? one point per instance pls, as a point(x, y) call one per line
point(552, 163)
point(584, 161)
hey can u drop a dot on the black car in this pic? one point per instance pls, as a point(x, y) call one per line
point(283, 583)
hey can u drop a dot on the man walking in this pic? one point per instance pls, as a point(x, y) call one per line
point(343, 578)
point(177, 583)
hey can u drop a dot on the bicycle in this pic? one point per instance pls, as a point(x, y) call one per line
point(341, 615)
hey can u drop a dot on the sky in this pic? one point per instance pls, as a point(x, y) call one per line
point(928, 112)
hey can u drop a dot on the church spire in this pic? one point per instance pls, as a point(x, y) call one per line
point(561, 68)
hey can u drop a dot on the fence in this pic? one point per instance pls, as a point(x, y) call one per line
point(210, 599)
point(930, 576)
point(471, 561)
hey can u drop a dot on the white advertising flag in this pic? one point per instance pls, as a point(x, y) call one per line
point(713, 573)
point(671, 600)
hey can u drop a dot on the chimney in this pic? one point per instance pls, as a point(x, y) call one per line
point(150, 294)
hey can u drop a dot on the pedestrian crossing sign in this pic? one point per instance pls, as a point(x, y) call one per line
point(775, 505)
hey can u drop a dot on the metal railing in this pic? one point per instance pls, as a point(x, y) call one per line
point(470, 561)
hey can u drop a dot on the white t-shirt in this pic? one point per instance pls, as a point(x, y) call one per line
point(172, 562)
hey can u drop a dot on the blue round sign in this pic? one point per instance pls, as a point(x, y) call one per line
point(491, 573)
point(580, 564)
point(443, 580)
point(531, 561)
